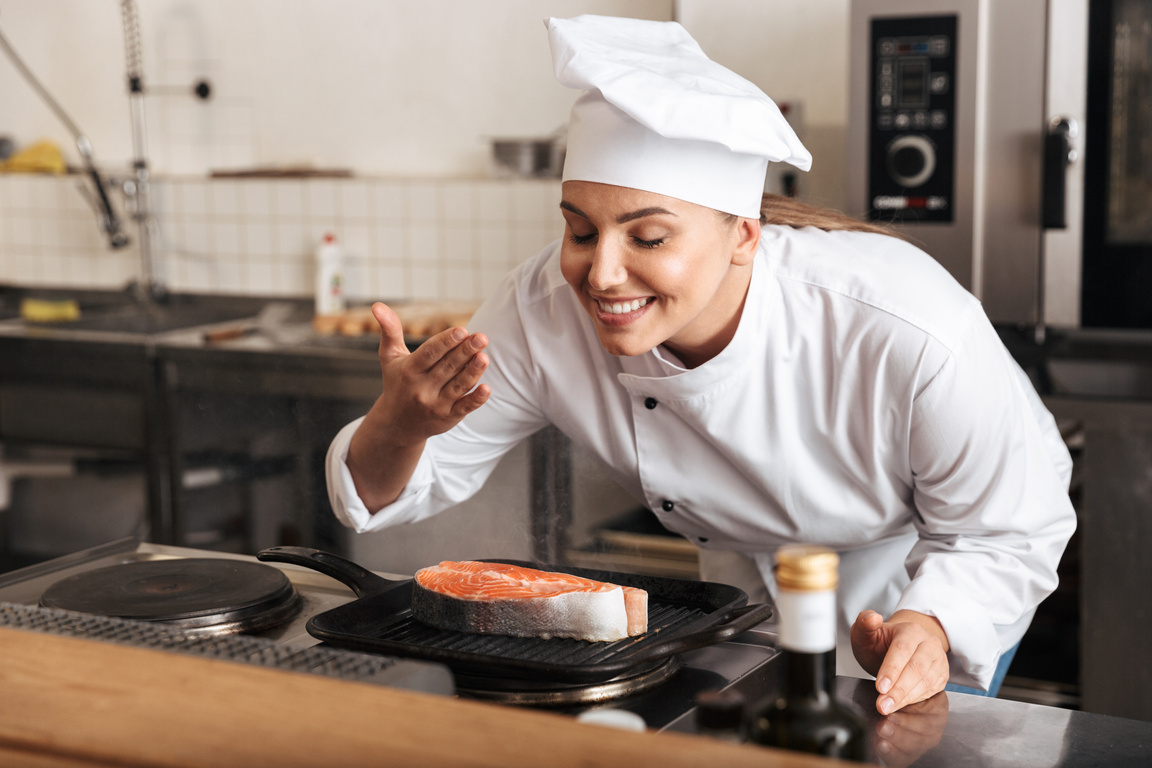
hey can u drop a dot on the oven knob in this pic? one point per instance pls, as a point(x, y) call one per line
point(911, 159)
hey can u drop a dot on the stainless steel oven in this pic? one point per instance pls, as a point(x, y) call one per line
point(1012, 139)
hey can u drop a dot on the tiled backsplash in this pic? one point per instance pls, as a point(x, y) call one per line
point(402, 238)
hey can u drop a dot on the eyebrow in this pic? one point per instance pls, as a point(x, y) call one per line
point(623, 218)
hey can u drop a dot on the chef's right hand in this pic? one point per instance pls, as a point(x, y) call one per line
point(425, 392)
point(428, 391)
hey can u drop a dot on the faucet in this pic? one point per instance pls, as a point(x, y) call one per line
point(109, 221)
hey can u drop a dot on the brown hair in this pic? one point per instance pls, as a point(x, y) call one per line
point(790, 212)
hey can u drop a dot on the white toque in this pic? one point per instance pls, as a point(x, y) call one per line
point(659, 115)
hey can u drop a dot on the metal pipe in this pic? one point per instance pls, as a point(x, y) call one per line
point(138, 190)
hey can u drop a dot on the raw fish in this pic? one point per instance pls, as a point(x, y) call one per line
point(501, 599)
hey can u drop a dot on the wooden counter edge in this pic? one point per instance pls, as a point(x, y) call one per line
point(74, 702)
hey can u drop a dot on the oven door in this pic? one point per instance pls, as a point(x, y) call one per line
point(1117, 246)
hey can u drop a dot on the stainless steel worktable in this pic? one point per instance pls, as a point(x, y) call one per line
point(959, 729)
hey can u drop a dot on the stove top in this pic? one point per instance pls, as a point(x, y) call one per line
point(287, 645)
point(742, 665)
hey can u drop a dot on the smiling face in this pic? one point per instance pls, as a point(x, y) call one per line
point(652, 270)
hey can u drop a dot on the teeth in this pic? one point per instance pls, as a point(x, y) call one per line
point(620, 308)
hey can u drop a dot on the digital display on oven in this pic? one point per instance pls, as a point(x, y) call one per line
point(912, 85)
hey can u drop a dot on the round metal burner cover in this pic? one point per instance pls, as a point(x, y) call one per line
point(171, 590)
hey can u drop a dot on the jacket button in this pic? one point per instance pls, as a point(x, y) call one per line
point(650, 403)
point(667, 505)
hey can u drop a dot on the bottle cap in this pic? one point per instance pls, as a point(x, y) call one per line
point(807, 568)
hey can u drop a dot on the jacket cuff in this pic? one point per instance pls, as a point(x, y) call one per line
point(346, 503)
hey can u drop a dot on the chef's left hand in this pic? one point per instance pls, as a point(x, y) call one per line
point(907, 654)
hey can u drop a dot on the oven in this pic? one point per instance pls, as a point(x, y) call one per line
point(1012, 139)
point(184, 601)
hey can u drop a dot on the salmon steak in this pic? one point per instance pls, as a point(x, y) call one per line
point(502, 599)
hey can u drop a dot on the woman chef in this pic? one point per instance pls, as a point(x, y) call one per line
point(753, 384)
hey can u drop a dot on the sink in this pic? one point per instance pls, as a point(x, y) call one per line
point(118, 312)
point(144, 319)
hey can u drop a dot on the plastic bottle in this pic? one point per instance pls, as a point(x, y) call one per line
point(807, 716)
point(329, 277)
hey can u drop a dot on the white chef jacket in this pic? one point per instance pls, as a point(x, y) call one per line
point(865, 403)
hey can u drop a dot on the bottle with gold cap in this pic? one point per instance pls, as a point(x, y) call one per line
point(806, 715)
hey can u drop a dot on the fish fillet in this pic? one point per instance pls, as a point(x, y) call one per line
point(501, 599)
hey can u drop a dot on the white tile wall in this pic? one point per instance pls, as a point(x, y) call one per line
point(402, 238)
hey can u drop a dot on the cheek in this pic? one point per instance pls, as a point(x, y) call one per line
point(681, 274)
point(573, 267)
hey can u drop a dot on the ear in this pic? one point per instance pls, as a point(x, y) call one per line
point(747, 241)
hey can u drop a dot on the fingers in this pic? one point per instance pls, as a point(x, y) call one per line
point(448, 351)
point(450, 363)
point(391, 331)
point(441, 376)
point(914, 668)
point(869, 622)
point(462, 367)
point(904, 736)
point(869, 640)
point(470, 402)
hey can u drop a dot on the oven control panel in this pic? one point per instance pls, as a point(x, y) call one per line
point(912, 119)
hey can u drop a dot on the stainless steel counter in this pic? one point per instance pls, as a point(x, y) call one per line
point(146, 382)
point(953, 730)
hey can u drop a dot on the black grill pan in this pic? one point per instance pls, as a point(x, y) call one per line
point(682, 615)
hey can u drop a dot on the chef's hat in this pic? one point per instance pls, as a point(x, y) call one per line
point(659, 115)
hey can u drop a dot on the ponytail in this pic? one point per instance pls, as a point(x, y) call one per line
point(790, 212)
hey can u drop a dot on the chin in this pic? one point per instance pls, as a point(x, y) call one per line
point(618, 347)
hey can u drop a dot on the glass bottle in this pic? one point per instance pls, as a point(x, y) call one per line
point(806, 716)
point(720, 715)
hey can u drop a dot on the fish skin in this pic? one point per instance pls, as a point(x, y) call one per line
point(501, 599)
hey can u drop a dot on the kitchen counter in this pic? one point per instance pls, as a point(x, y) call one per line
point(71, 702)
point(953, 730)
point(151, 383)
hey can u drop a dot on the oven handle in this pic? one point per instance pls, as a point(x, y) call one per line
point(362, 581)
point(1059, 153)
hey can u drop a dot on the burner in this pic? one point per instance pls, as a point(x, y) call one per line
point(510, 690)
point(201, 595)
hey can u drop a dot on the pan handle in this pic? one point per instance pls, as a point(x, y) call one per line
point(741, 620)
point(362, 581)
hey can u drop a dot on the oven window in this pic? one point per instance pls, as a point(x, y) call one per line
point(1130, 142)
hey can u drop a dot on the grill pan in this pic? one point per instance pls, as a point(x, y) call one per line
point(682, 615)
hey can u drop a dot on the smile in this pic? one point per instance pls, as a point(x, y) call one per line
point(623, 307)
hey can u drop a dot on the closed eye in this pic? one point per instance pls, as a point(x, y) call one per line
point(649, 243)
point(582, 239)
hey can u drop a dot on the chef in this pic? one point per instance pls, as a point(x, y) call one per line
point(755, 371)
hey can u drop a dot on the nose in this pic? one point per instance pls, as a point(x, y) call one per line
point(607, 268)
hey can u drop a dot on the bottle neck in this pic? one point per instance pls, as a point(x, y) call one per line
point(809, 675)
point(808, 638)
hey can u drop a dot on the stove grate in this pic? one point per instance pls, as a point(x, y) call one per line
point(329, 662)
